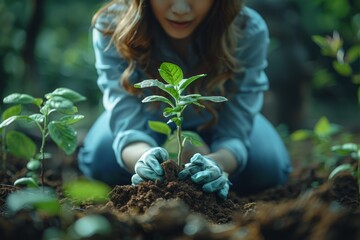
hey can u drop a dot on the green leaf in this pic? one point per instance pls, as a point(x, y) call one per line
point(341, 168)
point(45, 109)
point(213, 98)
point(353, 53)
point(12, 119)
point(33, 165)
point(324, 45)
point(150, 83)
point(11, 111)
point(193, 137)
point(68, 111)
point(37, 117)
point(355, 78)
point(343, 69)
point(43, 200)
point(83, 190)
point(66, 93)
point(184, 83)
point(71, 119)
point(171, 73)
point(156, 98)
point(323, 127)
point(18, 98)
point(177, 120)
point(171, 111)
point(320, 41)
point(345, 149)
point(329, 45)
point(186, 100)
point(20, 145)
point(26, 181)
point(323, 78)
point(64, 136)
point(160, 127)
point(170, 89)
point(300, 135)
point(198, 104)
point(156, 83)
point(59, 103)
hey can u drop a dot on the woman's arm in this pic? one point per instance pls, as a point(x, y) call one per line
point(132, 152)
point(225, 159)
point(231, 134)
point(128, 119)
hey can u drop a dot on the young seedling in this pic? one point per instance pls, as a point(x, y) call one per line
point(351, 150)
point(344, 61)
point(321, 137)
point(175, 86)
point(62, 101)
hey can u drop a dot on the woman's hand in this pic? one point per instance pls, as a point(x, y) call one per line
point(148, 167)
point(207, 172)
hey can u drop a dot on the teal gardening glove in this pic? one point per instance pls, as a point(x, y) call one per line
point(148, 166)
point(207, 172)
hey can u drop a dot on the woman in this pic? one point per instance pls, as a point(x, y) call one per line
point(223, 39)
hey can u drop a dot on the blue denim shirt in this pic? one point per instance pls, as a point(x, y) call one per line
point(129, 116)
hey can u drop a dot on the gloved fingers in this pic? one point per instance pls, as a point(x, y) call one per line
point(146, 172)
point(189, 171)
point(223, 192)
point(206, 176)
point(153, 159)
point(215, 185)
point(198, 160)
point(204, 162)
point(153, 164)
point(136, 179)
point(160, 154)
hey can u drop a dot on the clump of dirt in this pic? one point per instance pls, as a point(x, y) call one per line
point(302, 218)
point(329, 211)
point(137, 199)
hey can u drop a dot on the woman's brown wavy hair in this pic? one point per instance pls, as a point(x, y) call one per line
point(131, 34)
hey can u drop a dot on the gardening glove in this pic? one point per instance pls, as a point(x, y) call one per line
point(148, 166)
point(207, 172)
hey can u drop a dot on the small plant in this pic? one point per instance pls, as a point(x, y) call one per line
point(44, 203)
point(61, 101)
point(176, 85)
point(351, 150)
point(322, 137)
point(17, 143)
point(344, 60)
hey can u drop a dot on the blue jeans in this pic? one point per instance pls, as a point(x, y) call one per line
point(268, 164)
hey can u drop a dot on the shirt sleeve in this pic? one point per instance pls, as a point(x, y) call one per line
point(128, 120)
point(236, 118)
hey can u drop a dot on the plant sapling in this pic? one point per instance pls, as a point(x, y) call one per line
point(351, 150)
point(62, 101)
point(175, 86)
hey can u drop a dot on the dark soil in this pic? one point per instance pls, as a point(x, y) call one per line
point(307, 207)
point(138, 199)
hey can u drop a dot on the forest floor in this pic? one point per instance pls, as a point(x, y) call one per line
point(308, 206)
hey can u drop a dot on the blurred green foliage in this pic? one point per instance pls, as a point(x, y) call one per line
point(323, 18)
point(62, 55)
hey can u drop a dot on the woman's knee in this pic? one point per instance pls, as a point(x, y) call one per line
point(268, 162)
point(97, 159)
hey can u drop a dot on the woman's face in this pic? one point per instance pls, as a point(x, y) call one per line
point(179, 18)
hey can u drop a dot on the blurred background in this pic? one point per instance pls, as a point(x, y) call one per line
point(45, 44)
